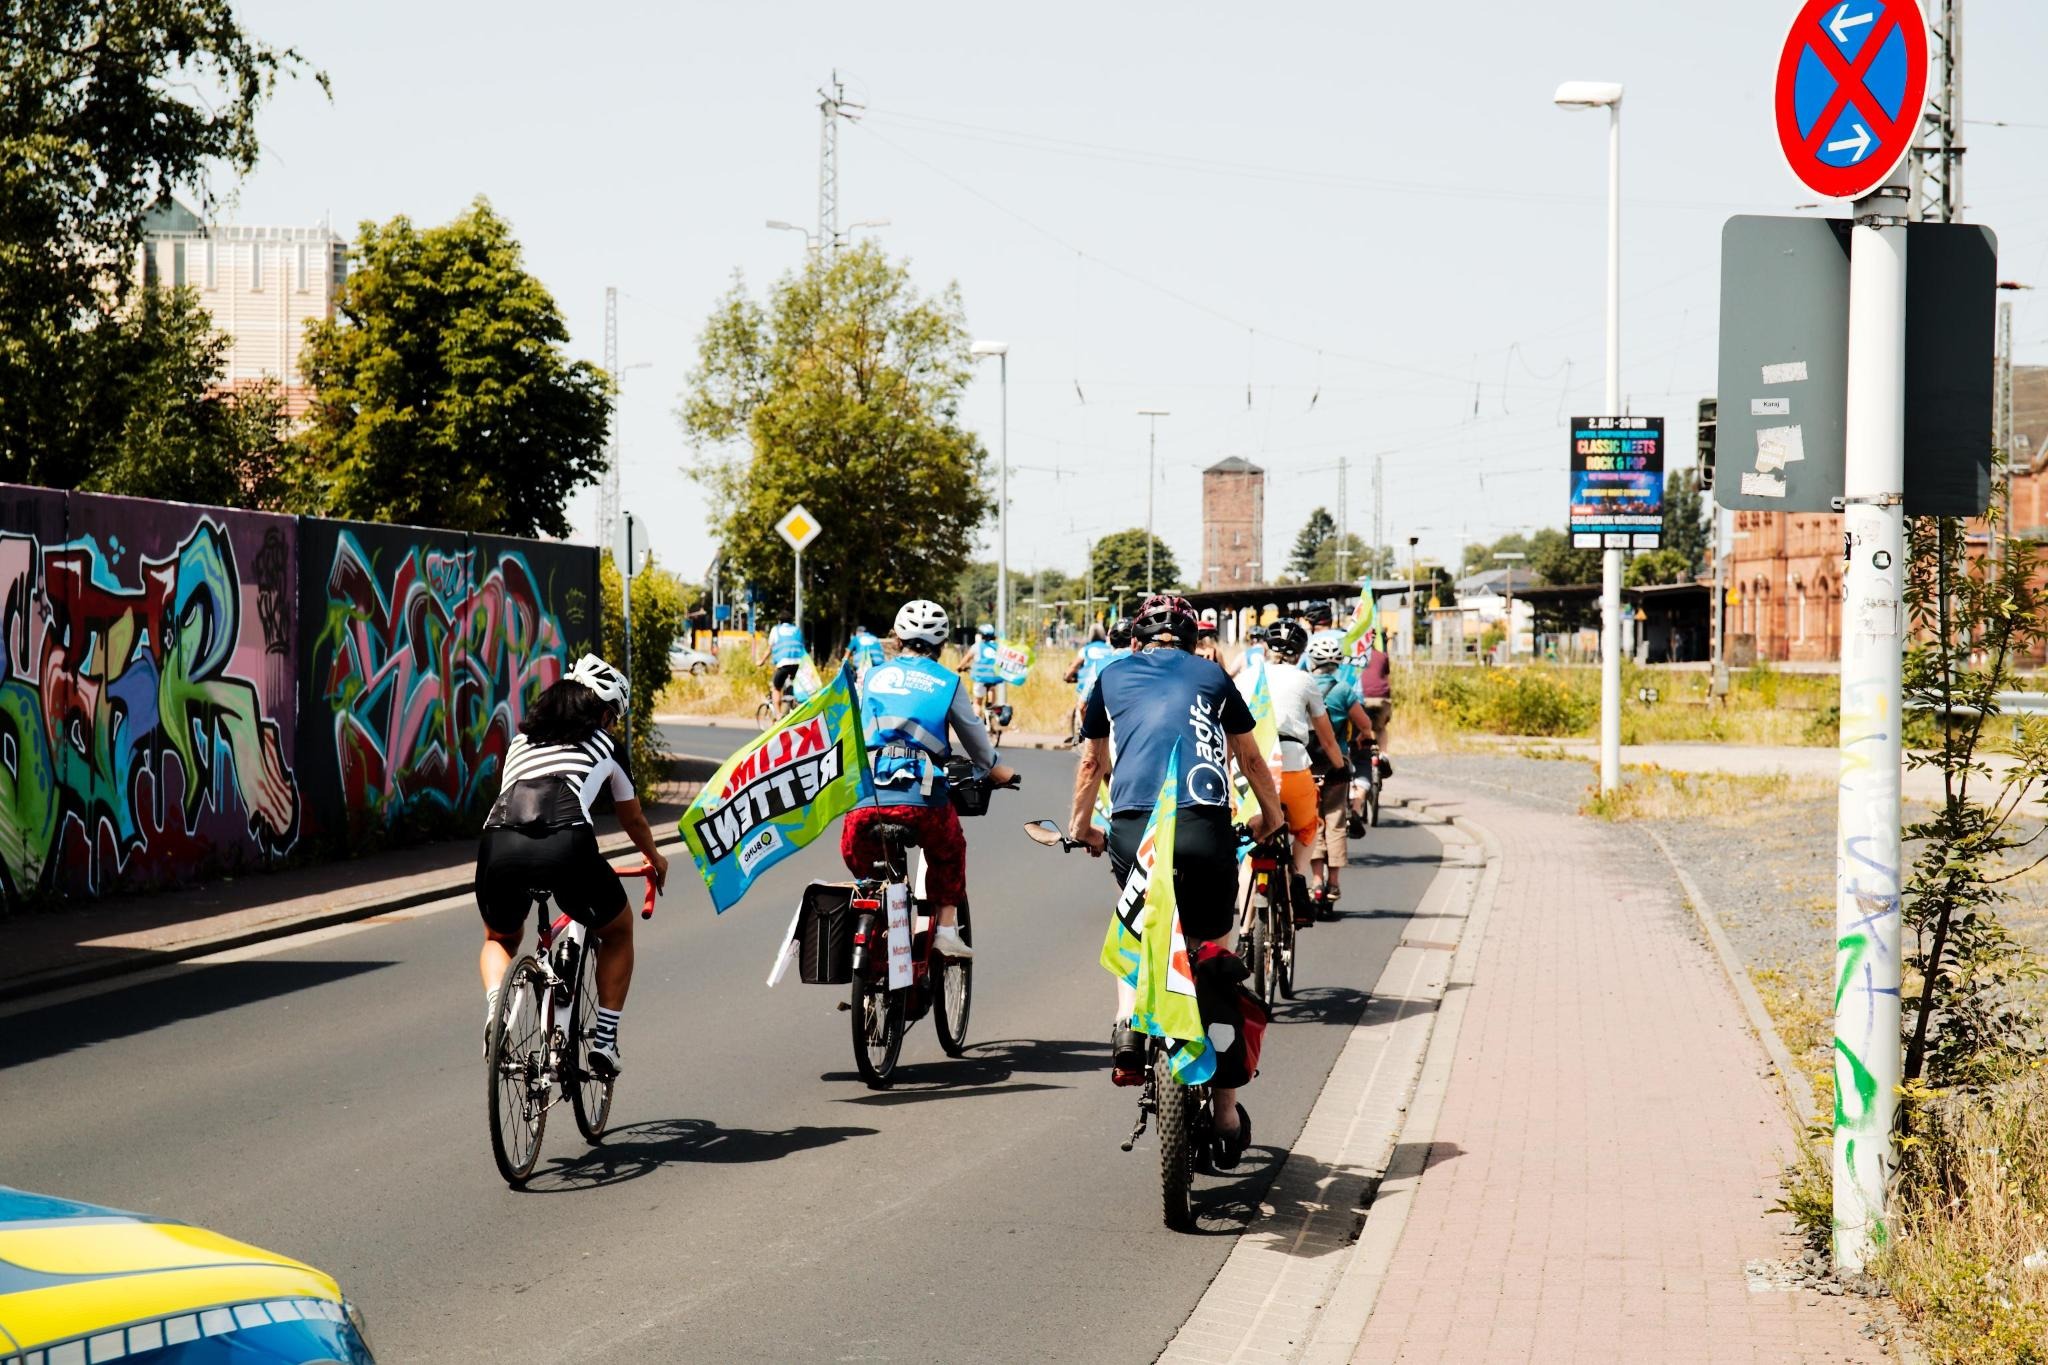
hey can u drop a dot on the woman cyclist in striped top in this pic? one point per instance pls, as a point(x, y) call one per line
point(539, 837)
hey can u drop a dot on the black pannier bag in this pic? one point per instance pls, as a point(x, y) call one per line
point(965, 788)
point(824, 934)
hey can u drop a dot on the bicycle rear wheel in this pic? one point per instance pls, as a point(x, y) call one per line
point(1372, 802)
point(1178, 1145)
point(877, 1031)
point(954, 993)
point(1286, 939)
point(590, 1095)
point(516, 1085)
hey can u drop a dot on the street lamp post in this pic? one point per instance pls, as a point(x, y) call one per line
point(1607, 95)
point(1511, 558)
point(1001, 351)
point(1152, 416)
point(1414, 609)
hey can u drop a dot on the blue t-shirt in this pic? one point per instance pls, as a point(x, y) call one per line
point(1094, 655)
point(785, 645)
point(985, 663)
point(1146, 703)
point(1338, 699)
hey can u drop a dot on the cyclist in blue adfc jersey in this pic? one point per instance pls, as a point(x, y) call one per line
point(865, 649)
point(1082, 673)
point(980, 667)
point(785, 648)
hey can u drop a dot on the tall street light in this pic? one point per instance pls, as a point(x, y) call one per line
point(1001, 351)
point(1151, 416)
point(1607, 95)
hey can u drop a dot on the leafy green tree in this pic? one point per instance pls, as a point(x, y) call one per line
point(1120, 558)
point(1479, 556)
point(1555, 561)
point(661, 601)
point(442, 393)
point(1309, 544)
point(101, 114)
point(842, 393)
point(1685, 520)
point(1657, 566)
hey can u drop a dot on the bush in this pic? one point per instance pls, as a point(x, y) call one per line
point(1517, 701)
point(661, 603)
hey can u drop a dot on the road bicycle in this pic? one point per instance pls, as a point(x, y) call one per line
point(1268, 918)
point(539, 1041)
point(775, 708)
point(939, 985)
point(994, 714)
point(1182, 1111)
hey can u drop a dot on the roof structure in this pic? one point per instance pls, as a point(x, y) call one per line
point(1233, 464)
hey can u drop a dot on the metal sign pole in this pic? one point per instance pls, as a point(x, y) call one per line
point(1868, 1054)
point(799, 589)
point(626, 610)
point(1610, 559)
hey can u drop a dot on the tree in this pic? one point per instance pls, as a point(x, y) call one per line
point(661, 601)
point(1685, 520)
point(842, 393)
point(1657, 566)
point(1120, 558)
point(1309, 544)
point(1554, 560)
point(179, 434)
point(104, 109)
point(1479, 556)
point(442, 394)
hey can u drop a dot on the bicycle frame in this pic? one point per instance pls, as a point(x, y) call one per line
point(871, 930)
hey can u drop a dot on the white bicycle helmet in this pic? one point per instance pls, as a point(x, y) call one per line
point(1326, 650)
point(601, 678)
point(922, 621)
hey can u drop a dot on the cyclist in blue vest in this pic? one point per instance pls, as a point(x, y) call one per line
point(980, 666)
point(907, 707)
point(865, 649)
point(785, 648)
point(1082, 674)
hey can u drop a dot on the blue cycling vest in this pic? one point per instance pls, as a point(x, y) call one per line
point(866, 649)
point(904, 707)
point(1094, 655)
point(785, 645)
point(985, 663)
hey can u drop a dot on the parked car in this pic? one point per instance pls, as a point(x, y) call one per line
point(684, 659)
point(85, 1283)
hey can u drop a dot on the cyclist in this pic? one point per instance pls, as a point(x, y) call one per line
point(1375, 684)
point(1333, 803)
point(539, 837)
point(1321, 629)
point(1302, 720)
point(1145, 705)
point(980, 666)
point(1119, 640)
point(864, 649)
point(1081, 673)
point(786, 649)
point(906, 709)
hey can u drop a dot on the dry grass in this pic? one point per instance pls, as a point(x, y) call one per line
point(1968, 1261)
point(1732, 800)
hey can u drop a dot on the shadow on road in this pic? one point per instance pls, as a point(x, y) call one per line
point(984, 1069)
point(1340, 1005)
point(40, 1033)
point(643, 1148)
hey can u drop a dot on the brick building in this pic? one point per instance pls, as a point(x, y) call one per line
point(261, 285)
point(1786, 567)
point(1233, 524)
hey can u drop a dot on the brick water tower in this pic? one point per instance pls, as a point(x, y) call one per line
point(1233, 524)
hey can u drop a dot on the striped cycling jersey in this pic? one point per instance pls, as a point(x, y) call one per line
point(555, 785)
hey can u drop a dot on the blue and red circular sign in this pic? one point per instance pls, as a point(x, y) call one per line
point(1852, 82)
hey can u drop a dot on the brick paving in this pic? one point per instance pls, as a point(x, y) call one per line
point(1609, 1143)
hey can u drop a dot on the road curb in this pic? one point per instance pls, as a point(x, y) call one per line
point(144, 959)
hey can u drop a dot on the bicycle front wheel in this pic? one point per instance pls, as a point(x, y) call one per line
point(1258, 955)
point(517, 1072)
point(877, 1031)
point(590, 1095)
point(954, 995)
point(764, 715)
point(1178, 1141)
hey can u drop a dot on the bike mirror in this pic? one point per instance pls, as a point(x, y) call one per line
point(1043, 832)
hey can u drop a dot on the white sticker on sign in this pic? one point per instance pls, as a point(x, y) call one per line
point(1789, 373)
point(1770, 407)
point(1777, 447)
point(1762, 486)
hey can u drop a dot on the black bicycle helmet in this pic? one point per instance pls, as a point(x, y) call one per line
point(1120, 633)
point(1162, 615)
point(1287, 639)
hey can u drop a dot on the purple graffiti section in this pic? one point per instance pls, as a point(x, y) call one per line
point(146, 720)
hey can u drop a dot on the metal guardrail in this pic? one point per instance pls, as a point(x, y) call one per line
point(2009, 704)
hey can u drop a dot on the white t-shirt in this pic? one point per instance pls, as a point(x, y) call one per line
point(584, 769)
point(1296, 704)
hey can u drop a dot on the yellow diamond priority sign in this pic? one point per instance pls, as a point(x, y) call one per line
point(798, 527)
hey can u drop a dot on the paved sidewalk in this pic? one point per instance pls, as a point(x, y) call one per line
point(1597, 1181)
point(1919, 783)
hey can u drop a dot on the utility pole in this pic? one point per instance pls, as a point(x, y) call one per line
point(2003, 398)
point(832, 107)
point(1152, 416)
point(1379, 503)
point(608, 490)
point(1938, 155)
point(1343, 551)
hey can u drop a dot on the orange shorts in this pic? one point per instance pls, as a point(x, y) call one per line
point(1298, 799)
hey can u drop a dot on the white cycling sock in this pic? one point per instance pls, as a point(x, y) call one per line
point(490, 1004)
point(607, 1032)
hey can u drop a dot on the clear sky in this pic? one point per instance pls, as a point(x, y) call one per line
point(1310, 231)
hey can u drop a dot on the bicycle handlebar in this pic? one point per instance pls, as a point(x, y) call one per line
point(644, 870)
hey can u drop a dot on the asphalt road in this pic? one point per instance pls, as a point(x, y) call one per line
point(323, 1097)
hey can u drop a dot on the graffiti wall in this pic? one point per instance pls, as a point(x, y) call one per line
point(186, 691)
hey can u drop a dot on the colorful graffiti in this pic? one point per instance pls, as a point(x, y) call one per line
point(428, 668)
point(143, 737)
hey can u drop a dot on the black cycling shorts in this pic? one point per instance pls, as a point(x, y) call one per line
point(1204, 865)
point(785, 674)
point(516, 867)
